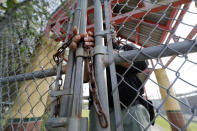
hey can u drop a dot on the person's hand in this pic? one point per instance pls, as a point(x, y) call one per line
point(89, 42)
point(88, 38)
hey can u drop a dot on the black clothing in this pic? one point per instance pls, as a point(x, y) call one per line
point(128, 88)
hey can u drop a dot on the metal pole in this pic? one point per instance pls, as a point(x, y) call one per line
point(153, 52)
point(66, 101)
point(116, 100)
point(76, 123)
point(1, 76)
point(177, 48)
point(59, 68)
point(30, 76)
point(100, 72)
point(1, 106)
point(79, 70)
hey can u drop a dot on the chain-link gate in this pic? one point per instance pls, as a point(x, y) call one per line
point(141, 69)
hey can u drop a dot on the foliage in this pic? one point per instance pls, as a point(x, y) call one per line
point(20, 35)
point(9, 4)
point(25, 26)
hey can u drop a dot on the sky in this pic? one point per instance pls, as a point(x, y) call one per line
point(188, 71)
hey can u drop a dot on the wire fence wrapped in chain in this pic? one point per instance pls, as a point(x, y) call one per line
point(161, 33)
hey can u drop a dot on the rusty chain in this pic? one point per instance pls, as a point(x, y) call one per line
point(60, 51)
point(92, 82)
point(59, 54)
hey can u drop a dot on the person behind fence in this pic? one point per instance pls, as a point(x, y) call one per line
point(140, 112)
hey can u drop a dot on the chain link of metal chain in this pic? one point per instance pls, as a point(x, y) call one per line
point(92, 82)
point(59, 54)
point(60, 51)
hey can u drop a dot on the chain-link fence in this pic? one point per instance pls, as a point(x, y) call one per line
point(27, 65)
point(141, 70)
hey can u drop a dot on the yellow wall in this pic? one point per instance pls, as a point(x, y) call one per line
point(32, 96)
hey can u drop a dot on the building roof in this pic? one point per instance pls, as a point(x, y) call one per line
point(146, 23)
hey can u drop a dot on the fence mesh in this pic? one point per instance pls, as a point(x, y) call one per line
point(31, 31)
point(151, 23)
point(25, 49)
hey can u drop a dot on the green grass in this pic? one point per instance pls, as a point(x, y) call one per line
point(86, 113)
point(192, 126)
point(166, 126)
point(163, 123)
point(44, 118)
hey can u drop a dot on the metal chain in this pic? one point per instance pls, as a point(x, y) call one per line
point(94, 91)
point(60, 51)
point(59, 54)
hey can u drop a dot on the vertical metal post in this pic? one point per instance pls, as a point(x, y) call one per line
point(1, 76)
point(100, 72)
point(52, 109)
point(1, 106)
point(71, 106)
point(76, 124)
point(116, 100)
point(66, 101)
point(79, 70)
point(77, 79)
